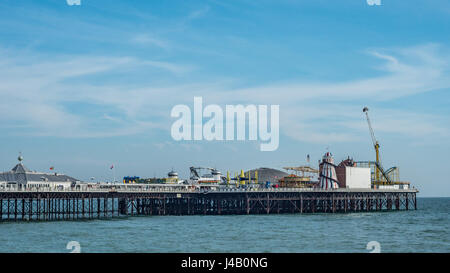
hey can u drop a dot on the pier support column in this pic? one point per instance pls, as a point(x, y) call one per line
point(138, 206)
point(188, 205)
point(415, 202)
point(248, 203)
point(105, 207)
point(38, 209)
point(407, 201)
point(15, 209)
point(30, 209)
point(23, 209)
point(45, 206)
point(82, 207)
point(345, 203)
point(8, 206)
point(76, 210)
point(301, 203)
point(389, 202)
point(48, 208)
point(333, 204)
point(123, 206)
point(60, 207)
point(367, 202)
point(219, 209)
point(98, 208)
point(91, 207)
point(164, 205)
point(112, 207)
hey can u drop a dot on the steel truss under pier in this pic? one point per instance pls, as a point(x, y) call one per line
point(48, 206)
point(51, 206)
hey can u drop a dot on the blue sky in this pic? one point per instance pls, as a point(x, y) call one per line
point(86, 86)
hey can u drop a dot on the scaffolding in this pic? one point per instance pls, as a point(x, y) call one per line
point(389, 177)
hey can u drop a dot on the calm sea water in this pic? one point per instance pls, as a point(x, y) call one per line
point(424, 230)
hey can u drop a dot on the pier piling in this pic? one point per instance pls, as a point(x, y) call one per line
point(68, 205)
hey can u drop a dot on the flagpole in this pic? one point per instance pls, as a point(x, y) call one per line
point(114, 174)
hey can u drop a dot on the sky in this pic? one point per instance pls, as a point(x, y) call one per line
point(86, 86)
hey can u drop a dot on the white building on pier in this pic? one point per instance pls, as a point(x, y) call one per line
point(21, 177)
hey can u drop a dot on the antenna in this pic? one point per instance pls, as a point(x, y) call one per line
point(20, 158)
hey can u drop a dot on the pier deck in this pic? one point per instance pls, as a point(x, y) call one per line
point(48, 205)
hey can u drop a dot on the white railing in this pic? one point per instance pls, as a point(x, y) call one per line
point(151, 189)
point(186, 190)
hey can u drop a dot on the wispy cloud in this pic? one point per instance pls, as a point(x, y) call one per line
point(50, 98)
point(40, 94)
point(198, 13)
point(147, 39)
point(319, 112)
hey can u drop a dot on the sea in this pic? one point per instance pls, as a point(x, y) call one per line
point(426, 229)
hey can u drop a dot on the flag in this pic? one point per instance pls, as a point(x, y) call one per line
point(52, 168)
point(112, 167)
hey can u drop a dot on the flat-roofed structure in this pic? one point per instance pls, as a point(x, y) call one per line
point(352, 176)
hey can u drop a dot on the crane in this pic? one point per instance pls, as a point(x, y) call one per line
point(379, 172)
point(376, 144)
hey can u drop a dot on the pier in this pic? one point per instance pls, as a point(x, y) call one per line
point(52, 205)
